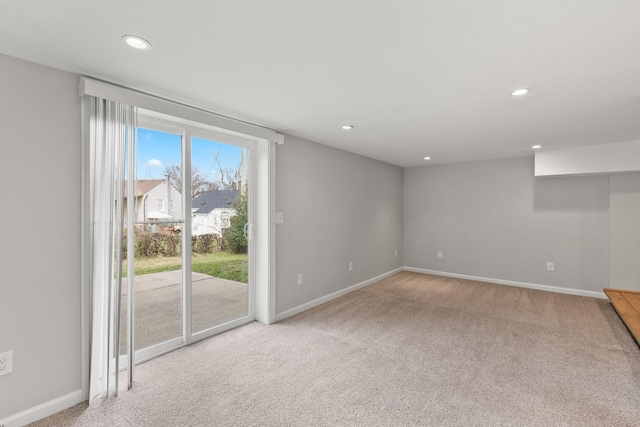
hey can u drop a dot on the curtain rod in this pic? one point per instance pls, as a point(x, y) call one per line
point(173, 101)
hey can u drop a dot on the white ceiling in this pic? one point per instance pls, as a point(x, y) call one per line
point(416, 77)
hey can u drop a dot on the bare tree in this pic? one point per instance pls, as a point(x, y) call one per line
point(199, 182)
point(229, 177)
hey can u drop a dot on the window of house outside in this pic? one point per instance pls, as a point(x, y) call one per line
point(225, 219)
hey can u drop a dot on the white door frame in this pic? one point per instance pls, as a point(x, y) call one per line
point(152, 121)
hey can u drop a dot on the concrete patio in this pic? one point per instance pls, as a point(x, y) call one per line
point(158, 305)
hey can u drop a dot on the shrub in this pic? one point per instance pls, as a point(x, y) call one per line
point(234, 235)
point(149, 245)
point(205, 244)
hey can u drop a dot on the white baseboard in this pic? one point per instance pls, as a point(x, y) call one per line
point(334, 295)
point(570, 291)
point(44, 410)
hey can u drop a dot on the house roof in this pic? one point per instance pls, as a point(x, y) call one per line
point(143, 186)
point(214, 199)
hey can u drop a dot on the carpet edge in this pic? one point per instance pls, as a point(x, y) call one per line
point(547, 288)
point(316, 302)
point(43, 410)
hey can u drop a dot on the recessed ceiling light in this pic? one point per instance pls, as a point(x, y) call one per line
point(427, 158)
point(520, 92)
point(137, 42)
point(535, 147)
point(347, 127)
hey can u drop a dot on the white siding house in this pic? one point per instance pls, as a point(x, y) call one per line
point(212, 211)
point(156, 199)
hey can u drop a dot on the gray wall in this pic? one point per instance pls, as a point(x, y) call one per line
point(491, 219)
point(338, 207)
point(40, 254)
point(624, 212)
point(494, 219)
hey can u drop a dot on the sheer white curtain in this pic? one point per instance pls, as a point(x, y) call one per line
point(111, 159)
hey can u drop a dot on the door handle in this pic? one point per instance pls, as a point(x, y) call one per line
point(248, 231)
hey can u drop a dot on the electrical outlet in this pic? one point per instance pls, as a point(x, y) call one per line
point(395, 253)
point(439, 254)
point(279, 217)
point(550, 266)
point(351, 266)
point(6, 363)
point(300, 279)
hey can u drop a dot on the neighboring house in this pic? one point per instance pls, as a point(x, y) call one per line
point(212, 211)
point(156, 200)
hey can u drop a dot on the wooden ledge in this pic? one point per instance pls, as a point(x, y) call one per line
point(627, 305)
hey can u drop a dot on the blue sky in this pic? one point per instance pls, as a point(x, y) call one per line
point(159, 150)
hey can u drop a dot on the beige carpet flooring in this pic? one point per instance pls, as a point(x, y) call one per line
point(410, 350)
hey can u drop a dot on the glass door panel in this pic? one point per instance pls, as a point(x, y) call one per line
point(219, 222)
point(158, 249)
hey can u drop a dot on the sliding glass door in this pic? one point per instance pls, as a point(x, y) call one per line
point(193, 241)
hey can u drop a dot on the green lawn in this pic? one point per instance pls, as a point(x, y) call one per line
point(224, 265)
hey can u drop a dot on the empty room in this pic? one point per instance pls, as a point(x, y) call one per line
point(336, 213)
